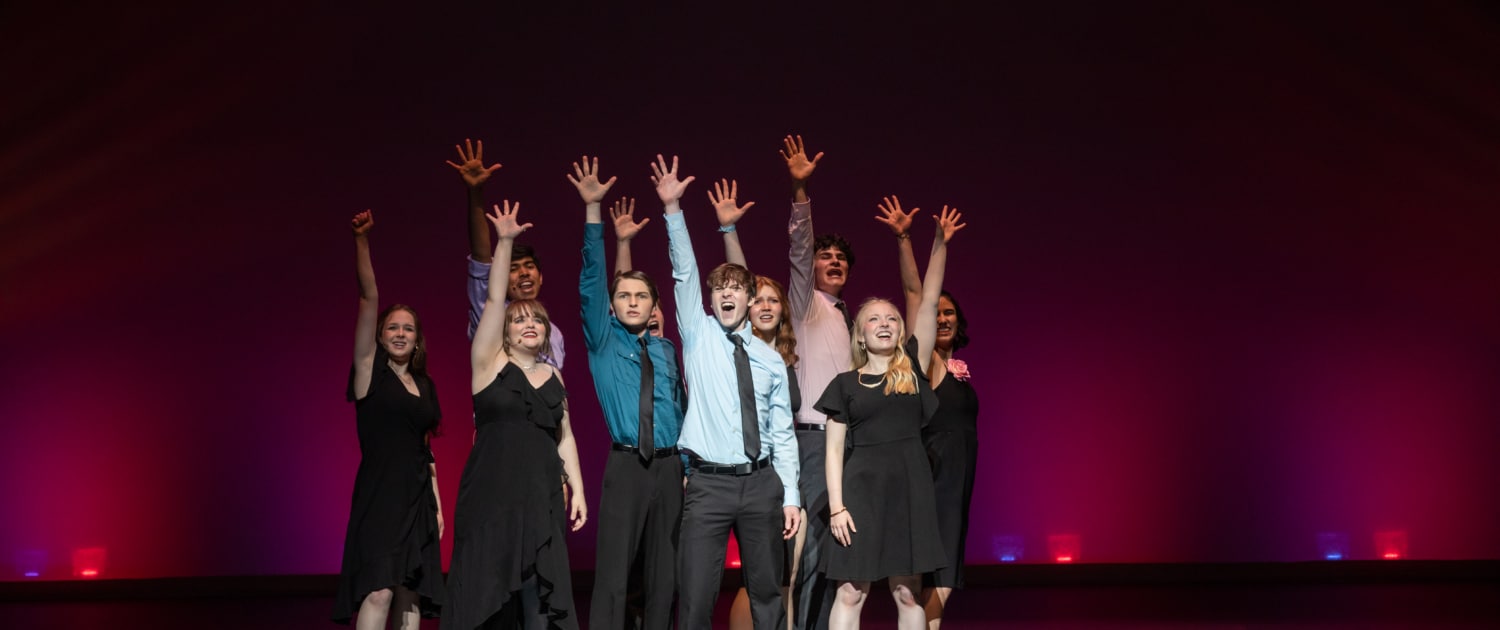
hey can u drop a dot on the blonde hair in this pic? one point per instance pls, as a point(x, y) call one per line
point(900, 378)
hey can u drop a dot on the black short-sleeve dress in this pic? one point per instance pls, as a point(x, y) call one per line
point(510, 522)
point(392, 537)
point(887, 480)
point(951, 438)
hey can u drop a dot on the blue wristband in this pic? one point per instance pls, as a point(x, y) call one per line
point(726, 228)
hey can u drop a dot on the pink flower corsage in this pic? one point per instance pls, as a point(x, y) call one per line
point(958, 369)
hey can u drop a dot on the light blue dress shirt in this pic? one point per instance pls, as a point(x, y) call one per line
point(712, 429)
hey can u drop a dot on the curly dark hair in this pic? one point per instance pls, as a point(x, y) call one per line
point(837, 242)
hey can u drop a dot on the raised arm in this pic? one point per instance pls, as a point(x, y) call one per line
point(369, 305)
point(622, 215)
point(799, 227)
point(900, 224)
point(567, 450)
point(484, 354)
point(925, 328)
point(797, 164)
point(688, 290)
point(471, 168)
point(593, 286)
point(724, 198)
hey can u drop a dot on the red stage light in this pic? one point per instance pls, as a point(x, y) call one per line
point(1390, 545)
point(732, 554)
point(1064, 548)
point(88, 562)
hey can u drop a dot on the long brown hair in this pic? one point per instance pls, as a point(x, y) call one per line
point(784, 339)
point(900, 378)
point(417, 366)
point(418, 363)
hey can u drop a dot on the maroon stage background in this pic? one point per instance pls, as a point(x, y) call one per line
point(1230, 269)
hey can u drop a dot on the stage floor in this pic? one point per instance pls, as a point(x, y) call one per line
point(1366, 606)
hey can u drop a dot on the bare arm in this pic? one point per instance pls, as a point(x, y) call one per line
point(900, 224)
point(622, 213)
point(724, 198)
point(925, 328)
point(369, 305)
point(432, 468)
point(567, 449)
point(484, 355)
point(840, 522)
point(471, 168)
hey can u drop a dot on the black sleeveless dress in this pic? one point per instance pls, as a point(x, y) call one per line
point(392, 538)
point(952, 445)
point(510, 522)
point(887, 481)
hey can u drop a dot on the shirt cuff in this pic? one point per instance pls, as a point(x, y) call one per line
point(478, 270)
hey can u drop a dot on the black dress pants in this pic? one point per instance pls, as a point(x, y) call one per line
point(640, 510)
point(813, 597)
point(713, 505)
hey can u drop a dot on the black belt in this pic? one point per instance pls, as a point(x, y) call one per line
point(661, 452)
point(808, 426)
point(712, 468)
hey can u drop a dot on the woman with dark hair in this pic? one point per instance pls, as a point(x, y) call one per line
point(391, 550)
point(950, 436)
point(510, 554)
point(880, 495)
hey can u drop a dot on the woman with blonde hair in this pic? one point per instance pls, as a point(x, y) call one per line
point(882, 512)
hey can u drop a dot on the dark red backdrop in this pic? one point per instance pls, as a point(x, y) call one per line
point(1230, 269)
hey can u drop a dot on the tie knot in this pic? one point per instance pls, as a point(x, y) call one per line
point(735, 339)
point(642, 339)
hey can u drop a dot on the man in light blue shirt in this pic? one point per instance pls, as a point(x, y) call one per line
point(737, 436)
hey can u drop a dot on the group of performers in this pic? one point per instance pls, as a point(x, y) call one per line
point(838, 447)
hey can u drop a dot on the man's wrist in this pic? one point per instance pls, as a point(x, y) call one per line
point(726, 228)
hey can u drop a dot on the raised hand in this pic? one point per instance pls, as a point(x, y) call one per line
point(505, 222)
point(724, 198)
point(623, 214)
point(586, 179)
point(948, 223)
point(797, 163)
point(470, 164)
point(890, 209)
point(361, 223)
point(668, 187)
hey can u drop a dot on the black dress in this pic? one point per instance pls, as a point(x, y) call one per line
point(953, 449)
point(392, 538)
point(887, 481)
point(510, 521)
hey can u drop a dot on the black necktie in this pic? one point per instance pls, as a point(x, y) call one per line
point(748, 417)
point(644, 437)
point(848, 319)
